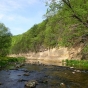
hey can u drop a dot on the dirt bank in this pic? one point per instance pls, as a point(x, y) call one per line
point(52, 56)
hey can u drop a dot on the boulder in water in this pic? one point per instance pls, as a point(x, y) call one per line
point(31, 84)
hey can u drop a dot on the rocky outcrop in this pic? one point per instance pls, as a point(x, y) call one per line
point(52, 56)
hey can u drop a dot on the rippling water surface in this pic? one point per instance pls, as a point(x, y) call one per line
point(46, 76)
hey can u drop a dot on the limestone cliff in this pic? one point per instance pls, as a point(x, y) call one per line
point(52, 56)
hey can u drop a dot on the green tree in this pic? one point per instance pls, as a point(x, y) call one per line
point(70, 8)
point(5, 40)
point(78, 10)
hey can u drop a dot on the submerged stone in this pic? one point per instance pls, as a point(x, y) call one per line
point(26, 74)
point(31, 84)
point(62, 85)
point(0, 83)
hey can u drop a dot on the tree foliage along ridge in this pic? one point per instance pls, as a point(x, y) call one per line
point(66, 24)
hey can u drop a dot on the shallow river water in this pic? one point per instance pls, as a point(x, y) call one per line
point(46, 76)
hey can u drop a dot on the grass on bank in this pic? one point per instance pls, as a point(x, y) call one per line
point(81, 64)
point(4, 61)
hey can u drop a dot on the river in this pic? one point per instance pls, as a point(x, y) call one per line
point(47, 76)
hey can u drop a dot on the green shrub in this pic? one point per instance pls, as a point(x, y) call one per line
point(4, 61)
point(77, 63)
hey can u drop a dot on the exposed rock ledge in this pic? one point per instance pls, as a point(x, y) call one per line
point(53, 56)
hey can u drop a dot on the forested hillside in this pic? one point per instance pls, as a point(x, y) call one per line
point(66, 24)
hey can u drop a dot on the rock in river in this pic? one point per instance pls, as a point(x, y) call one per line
point(26, 74)
point(0, 83)
point(31, 84)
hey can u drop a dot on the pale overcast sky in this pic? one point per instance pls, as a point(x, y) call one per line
point(21, 15)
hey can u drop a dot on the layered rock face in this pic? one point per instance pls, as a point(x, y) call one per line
point(52, 56)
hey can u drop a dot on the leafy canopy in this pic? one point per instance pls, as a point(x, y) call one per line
point(69, 8)
point(5, 40)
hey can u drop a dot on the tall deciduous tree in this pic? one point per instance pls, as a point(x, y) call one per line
point(76, 9)
point(5, 40)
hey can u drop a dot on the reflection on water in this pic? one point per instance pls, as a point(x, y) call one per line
point(46, 62)
point(47, 77)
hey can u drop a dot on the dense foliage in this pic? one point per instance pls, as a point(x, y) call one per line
point(79, 64)
point(66, 24)
point(5, 40)
point(7, 61)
